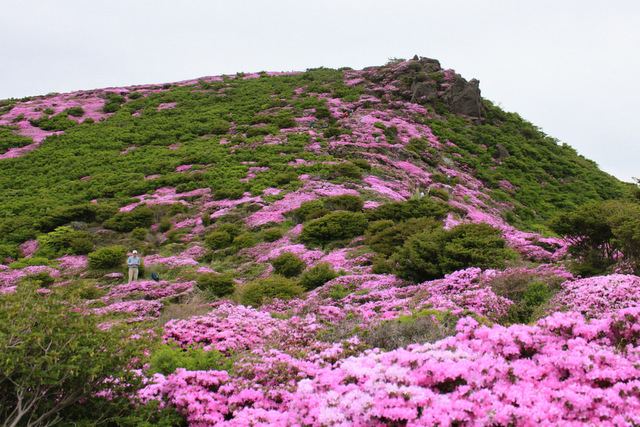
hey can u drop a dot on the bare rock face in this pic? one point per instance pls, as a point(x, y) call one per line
point(464, 97)
point(423, 92)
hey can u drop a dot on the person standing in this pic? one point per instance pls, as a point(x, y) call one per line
point(134, 263)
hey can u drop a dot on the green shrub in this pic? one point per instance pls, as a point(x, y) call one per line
point(259, 290)
point(218, 240)
point(244, 240)
point(42, 279)
point(285, 178)
point(436, 252)
point(206, 219)
point(31, 261)
point(362, 164)
point(108, 257)
point(345, 169)
point(334, 226)
point(344, 202)
point(233, 229)
point(387, 240)
point(301, 214)
point(228, 193)
point(58, 362)
point(414, 208)
point(9, 251)
point(219, 285)
point(140, 217)
point(169, 357)
point(139, 233)
point(164, 225)
point(439, 192)
point(75, 111)
point(288, 265)
point(317, 276)
point(64, 240)
point(272, 234)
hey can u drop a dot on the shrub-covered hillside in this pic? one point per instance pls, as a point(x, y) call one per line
point(333, 247)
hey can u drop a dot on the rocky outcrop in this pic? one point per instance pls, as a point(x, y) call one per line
point(463, 97)
point(423, 92)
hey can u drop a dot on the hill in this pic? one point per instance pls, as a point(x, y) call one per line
point(332, 246)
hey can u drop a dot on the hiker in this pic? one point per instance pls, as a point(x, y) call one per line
point(344, 115)
point(312, 124)
point(134, 263)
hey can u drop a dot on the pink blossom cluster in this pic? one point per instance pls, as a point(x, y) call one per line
point(149, 290)
point(29, 247)
point(601, 295)
point(72, 262)
point(226, 328)
point(143, 309)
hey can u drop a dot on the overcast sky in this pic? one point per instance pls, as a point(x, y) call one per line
point(571, 67)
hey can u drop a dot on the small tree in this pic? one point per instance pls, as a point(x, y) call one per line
point(54, 357)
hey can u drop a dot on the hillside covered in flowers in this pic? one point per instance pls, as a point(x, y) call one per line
point(330, 247)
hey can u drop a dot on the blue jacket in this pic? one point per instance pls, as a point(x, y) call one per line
point(133, 261)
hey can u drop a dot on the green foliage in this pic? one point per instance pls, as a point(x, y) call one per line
point(600, 235)
point(64, 240)
point(140, 217)
point(259, 290)
point(362, 164)
point(317, 276)
point(42, 279)
point(334, 226)
point(169, 357)
point(218, 240)
point(244, 240)
point(44, 371)
point(413, 208)
point(219, 285)
point(272, 234)
point(302, 213)
point(285, 178)
point(9, 140)
point(75, 111)
point(436, 252)
point(440, 193)
point(139, 233)
point(288, 265)
point(344, 202)
point(31, 261)
point(385, 237)
point(345, 169)
point(109, 257)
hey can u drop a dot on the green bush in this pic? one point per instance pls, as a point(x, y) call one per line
point(259, 290)
point(414, 208)
point(139, 233)
point(272, 234)
point(56, 360)
point(345, 169)
point(440, 193)
point(317, 276)
point(302, 213)
point(436, 252)
point(219, 285)
point(362, 164)
point(168, 358)
point(334, 226)
point(42, 279)
point(288, 265)
point(344, 202)
point(244, 240)
point(218, 240)
point(64, 240)
point(75, 111)
point(285, 178)
point(140, 217)
point(108, 257)
point(31, 261)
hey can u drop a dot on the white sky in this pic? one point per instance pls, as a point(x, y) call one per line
point(571, 67)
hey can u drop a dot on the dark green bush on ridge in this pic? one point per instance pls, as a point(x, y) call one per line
point(219, 285)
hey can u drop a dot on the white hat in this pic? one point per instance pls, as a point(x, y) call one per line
point(135, 252)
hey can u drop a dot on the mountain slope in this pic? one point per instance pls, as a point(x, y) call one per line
point(353, 209)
